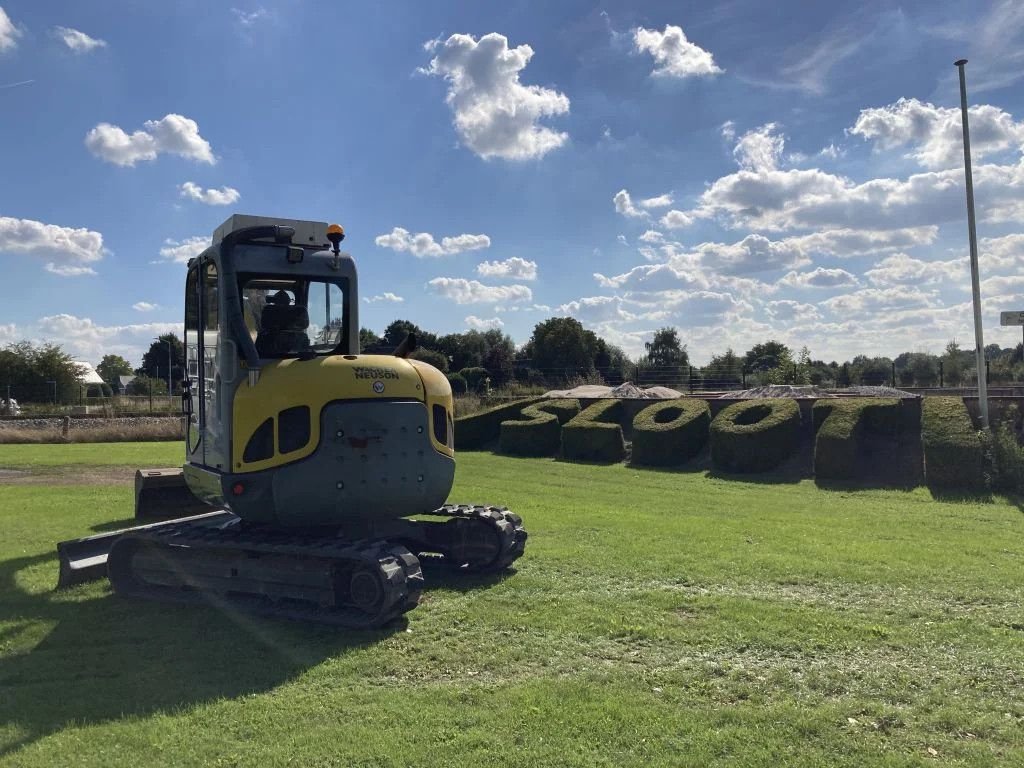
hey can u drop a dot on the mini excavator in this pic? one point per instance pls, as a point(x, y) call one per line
point(315, 477)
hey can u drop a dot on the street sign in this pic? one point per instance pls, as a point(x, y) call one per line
point(1011, 318)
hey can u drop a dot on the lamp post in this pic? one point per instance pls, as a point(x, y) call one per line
point(972, 236)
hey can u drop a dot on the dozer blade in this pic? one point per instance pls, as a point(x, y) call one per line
point(83, 560)
point(163, 494)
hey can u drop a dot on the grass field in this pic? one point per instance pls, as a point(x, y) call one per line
point(658, 618)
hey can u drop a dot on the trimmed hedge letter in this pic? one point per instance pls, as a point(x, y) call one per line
point(953, 456)
point(865, 438)
point(540, 433)
point(755, 435)
point(670, 432)
point(476, 431)
point(596, 434)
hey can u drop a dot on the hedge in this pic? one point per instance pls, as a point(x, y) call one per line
point(476, 431)
point(670, 432)
point(596, 433)
point(539, 433)
point(755, 435)
point(953, 453)
point(841, 425)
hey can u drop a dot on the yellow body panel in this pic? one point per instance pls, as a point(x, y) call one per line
point(315, 383)
point(439, 392)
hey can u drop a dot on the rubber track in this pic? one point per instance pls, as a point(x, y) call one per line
point(398, 569)
point(508, 524)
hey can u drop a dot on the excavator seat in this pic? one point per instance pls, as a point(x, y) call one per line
point(282, 330)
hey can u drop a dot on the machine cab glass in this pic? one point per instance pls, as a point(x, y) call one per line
point(295, 317)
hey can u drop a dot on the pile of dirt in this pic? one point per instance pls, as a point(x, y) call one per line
point(777, 390)
point(878, 392)
point(626, 391)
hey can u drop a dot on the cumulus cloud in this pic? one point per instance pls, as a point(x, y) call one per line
point(171, 134)
point(484, 323)
point(222, 196)
point(934, 134)
point(144, 306)
point(661, 201)
point(496, 115)
point(677, 219)
point(514, 268)
point(77, 41)
point(653, 277)
point(754, 253)
point(71, 251)
point(789, 311)
point(624, 205)
point(180, 251)
point(869, 300)
point(901, 269)
point(88, 340)
point(386, 297)
point(760, 149)
point(652, 236)
point(463, 291)
point(674, 55)
point(821, 277)
point(9, 33)
point(1006, 252)
point(422, 244)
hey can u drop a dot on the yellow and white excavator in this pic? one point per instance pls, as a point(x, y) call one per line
point(314, 458)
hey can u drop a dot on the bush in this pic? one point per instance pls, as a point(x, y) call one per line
point(474, 378)
point(458, 383)
point(1007, 455)
point(540, 431)
point(476, 431)
point(596, 433)
point(953, 451)
point(670, 432)
point(755, 435)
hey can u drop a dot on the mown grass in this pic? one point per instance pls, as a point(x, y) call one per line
point(658, 618)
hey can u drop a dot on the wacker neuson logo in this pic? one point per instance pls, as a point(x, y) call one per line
point(375, 373)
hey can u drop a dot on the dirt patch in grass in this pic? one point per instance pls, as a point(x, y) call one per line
point(69, 475)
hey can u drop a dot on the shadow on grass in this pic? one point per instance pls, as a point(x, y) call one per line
point(108, 658)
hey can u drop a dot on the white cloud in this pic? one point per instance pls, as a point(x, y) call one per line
point(754, 253)
point(789, 311)
point(9, 33)
point(211, 196)
point(624, 205)
point(652, 236)
point(622, 240)
point(597, 309)
point(248, 18)
point(674, 55)
point(77, 41)
point(463, 291)
point(728, 130)
point(422, 244)
point(870, 300)
point(386, 297)
point(144, 306)
point(661, 201)
point(653, 277)
point(70, 250)
point(181, 251)
point(87, 340)
point(496, 115)
point(172, 134)
point(901, 269)
point(484, 324)
point(1005, 252)
point(1003, 285)
point(514, 268)
point(935, 134)
point(760, 149)
point(821, 277)
point(676, 220)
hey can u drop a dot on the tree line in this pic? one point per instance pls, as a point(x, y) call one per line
point(559, 353)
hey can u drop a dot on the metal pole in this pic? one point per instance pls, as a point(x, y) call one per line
point(972, 234)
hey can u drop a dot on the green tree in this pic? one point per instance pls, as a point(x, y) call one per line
point(562, 347)
point(155, 360)
point(727, 367)
point(952, 364)
point(768, 355)
point(39, 372)
point(147, 385)
point(924, 369)
point(113, 366)
point(367, 339)
point(431, 357)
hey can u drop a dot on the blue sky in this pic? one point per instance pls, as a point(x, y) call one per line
point(739, 170)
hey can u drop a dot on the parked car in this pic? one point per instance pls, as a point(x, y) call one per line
point(9, 407)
